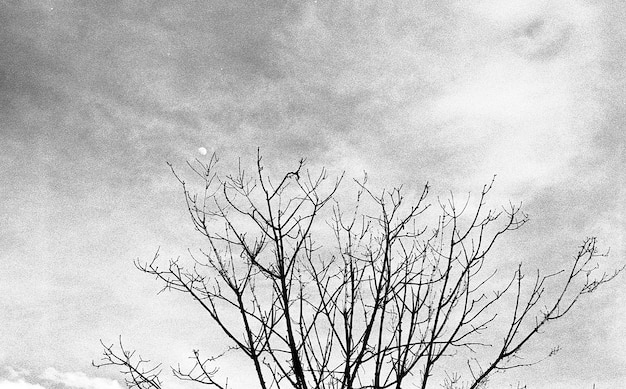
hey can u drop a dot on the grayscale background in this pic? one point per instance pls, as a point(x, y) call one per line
point(96, 96)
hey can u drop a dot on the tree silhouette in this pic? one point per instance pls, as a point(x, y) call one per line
point(389, 303)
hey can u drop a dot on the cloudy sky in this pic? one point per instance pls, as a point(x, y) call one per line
point(96, 96)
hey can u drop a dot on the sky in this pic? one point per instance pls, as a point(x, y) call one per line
point(96, 97)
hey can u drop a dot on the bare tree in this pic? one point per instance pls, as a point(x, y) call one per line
point(389, 304)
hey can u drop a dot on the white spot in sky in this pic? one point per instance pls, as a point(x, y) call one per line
point(202, 150)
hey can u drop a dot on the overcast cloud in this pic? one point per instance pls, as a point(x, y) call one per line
point(95, 96)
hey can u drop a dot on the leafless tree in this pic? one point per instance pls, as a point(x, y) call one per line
point(389, 304)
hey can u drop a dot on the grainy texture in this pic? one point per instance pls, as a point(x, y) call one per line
point(96, 96)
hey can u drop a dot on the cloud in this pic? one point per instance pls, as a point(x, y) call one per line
point(19, 384)
point(95, 97)
point(15, 379)
point(16, 373)
point(18, 378)
point(79, 380)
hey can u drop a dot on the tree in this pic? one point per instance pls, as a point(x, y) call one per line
point(389, 305)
